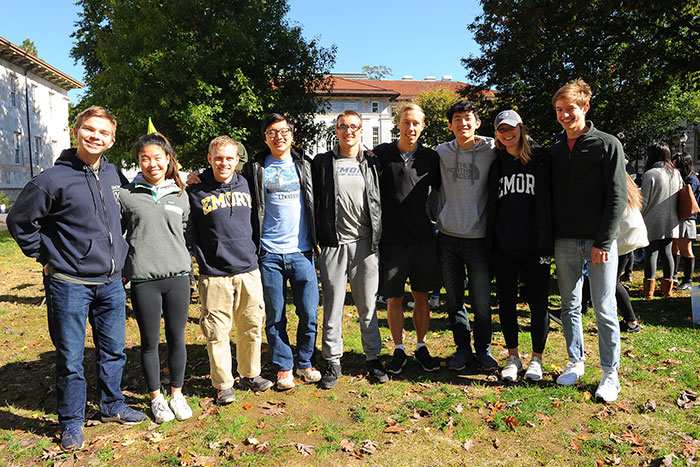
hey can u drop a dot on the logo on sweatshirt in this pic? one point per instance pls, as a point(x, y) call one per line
point(115, 193)
point(214, 202)
point(516, 183)
point(465, 171)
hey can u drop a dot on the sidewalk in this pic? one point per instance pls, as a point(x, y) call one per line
point(3, 225)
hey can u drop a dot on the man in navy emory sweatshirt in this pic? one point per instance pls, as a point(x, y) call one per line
point(229, 280)
point(67, 218)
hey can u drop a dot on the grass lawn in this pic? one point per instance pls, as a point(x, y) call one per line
point(443, 418)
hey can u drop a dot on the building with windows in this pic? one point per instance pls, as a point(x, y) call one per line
point(33, 116)
point(375, 100)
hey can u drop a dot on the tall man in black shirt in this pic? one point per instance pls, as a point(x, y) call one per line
point(407, 248)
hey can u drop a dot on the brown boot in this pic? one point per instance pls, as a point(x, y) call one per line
point(667, 287)
point(649, 286)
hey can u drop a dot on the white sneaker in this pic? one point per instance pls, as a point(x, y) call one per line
point(180, 407)
point(285, 380)
point(571, 374)
point(609, 387)
point(309, 375)
point(161, 411)
point(513, 366)
point(411, 304)
point(534, 369)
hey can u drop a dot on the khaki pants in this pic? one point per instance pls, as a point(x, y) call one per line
point(228, 299)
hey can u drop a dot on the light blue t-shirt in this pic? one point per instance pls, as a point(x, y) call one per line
point(284, 229)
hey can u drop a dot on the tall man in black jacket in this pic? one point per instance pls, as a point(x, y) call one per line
point(590, 194)
point(408, 249)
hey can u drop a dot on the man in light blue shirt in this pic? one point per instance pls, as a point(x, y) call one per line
point(283, 229)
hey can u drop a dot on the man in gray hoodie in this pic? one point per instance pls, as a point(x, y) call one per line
point(464, 166)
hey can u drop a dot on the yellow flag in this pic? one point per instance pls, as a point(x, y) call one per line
point(151, 128)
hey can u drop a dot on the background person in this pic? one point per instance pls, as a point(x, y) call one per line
point(660, 184)
point(155, 211)
point(683, 245)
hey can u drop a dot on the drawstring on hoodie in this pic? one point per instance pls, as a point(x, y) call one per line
point(86, 170)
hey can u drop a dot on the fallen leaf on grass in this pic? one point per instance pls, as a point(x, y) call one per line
point(154, 437)
point(247, 406)
point(649, 405)
point(459, 408)
point(261, 424)
point(368, 446)
point(670, 362)
point(214, 445)
point(633, 439)
point(251, 441)
point(576, 446)
point(543, 418)
point(205, 461)
point(686, 399)
point(511, 422)
point(205, 402)
point(274, 411)
point(305, 449)
point(496, 443)
point(468, 444)
point(92, 422)
point(393, 429)
point(614, 460)
point(313, 429)
point(586, 396)
point(128, 442)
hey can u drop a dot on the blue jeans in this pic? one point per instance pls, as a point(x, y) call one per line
point(570, 254)
point(69, 306)
point(299, 269)
point(455, 253)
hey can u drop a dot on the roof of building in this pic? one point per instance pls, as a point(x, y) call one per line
point(409, 89)
point(20, 57)
point(353, 87)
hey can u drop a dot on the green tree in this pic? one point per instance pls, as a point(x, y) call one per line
point(639, 58)
point(199, 68)
point(435, 103)
point(29, 46)
point(376, 71)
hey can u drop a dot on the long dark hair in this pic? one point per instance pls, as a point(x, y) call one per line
point(160, 140)
point(658, 152)
point(684, 163)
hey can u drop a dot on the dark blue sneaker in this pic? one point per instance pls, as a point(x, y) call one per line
point(72, 439)
point(125, 415)
point(486, 362)
point(461, 359)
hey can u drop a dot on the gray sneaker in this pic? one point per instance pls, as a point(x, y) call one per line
point(225, 396)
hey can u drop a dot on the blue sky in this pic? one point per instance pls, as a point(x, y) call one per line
point(412, 37)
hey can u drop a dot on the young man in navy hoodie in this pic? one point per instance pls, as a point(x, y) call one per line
point(229, 280)
point(68, 219)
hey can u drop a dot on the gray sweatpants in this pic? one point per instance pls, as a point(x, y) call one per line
point(358, 264)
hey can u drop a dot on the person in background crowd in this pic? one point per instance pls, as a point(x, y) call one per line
point(67, 218)
point(660, 184)
point(521, 237)
point(683, 245)
point(154, 217)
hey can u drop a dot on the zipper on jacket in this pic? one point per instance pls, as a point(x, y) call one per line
point(106, 220)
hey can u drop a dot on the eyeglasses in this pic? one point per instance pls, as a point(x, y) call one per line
point(352, 128)
point(284, 132)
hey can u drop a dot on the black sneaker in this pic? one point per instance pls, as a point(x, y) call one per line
point(376, 372)
point(330, 376)
point(684, 286)
point(72, 439)
point(555, 315)
point(397, 362)
point(257, 384)
point(426, 361)
point(627, 327)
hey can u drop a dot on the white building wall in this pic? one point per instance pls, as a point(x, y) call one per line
point(376, 114)
point(46, 131)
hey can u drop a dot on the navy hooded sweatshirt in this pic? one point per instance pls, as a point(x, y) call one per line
point(69, 219)
point(220, 227)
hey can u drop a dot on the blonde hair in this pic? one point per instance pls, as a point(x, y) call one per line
point(406, 108)
point(349, 113)
point(524, 149)
point(96, 111)
point(221, 141)
point(576, 91)
point(634, 197)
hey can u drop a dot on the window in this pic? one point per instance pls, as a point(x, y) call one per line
point(375, 136)
point(13, 90)
point(18, 148)
point(52, 104)
point(331, 142)
point(35, 98)
point(37, 150)
point(375, 107)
